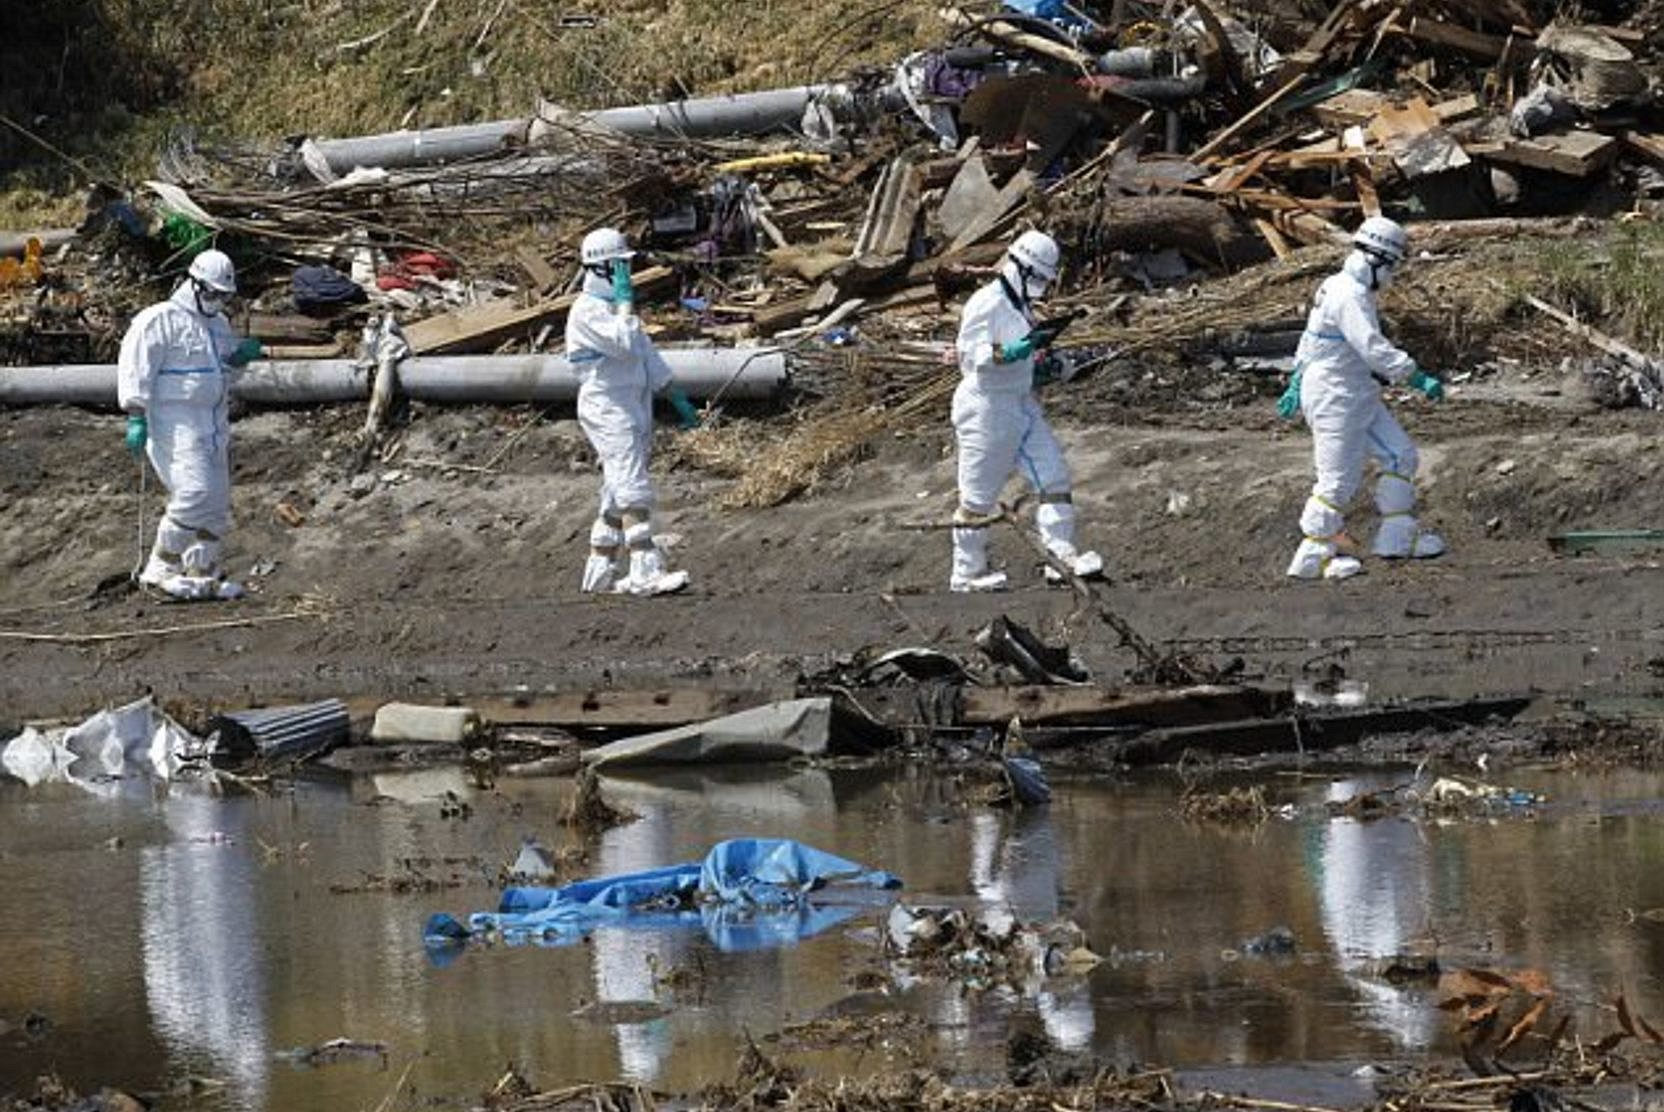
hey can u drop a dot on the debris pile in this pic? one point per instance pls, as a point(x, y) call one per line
point(836, 224)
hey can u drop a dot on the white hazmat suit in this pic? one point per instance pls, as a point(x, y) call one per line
point(621, 372)
point(173, 370)
point(1000, 428)
point(1342, 360)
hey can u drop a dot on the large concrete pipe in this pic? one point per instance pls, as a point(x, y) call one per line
point(735, 373)
point(701, 118)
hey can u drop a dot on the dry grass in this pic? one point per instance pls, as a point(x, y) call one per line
point(263, 69)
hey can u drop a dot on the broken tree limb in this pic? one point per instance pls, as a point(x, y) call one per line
point(1154, 666)
point(1595, 336)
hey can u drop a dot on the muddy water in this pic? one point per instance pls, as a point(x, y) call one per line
point(198, 936)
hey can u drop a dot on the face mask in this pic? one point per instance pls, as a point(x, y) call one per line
point(211, 301)
point(1385, 273)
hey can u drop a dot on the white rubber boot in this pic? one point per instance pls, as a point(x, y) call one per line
point(1320, 559)
point(648, 576)
point(970, 563)
point(1400, 535)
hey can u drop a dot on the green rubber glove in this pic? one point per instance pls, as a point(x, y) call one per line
point(686, 416)
point(247, 352)
point(622, 288)
point(1427, 384)
point(1288, 406)
point(1014, 351)
point(138, 432)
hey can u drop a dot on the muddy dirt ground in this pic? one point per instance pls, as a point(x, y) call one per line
point(409, 578)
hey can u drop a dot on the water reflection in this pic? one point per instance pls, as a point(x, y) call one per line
point(1016, 864)
point(1374, 892)
point(204, 958)
point(210, 956)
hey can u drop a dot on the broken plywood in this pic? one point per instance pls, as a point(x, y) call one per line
point(1418, 143)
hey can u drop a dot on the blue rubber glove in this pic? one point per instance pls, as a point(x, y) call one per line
point(247, 352)
point(1427, 384)
point(686, 416)
point(138, 432)
point(1288, 406)
point(1014, 351)
point(622, 288)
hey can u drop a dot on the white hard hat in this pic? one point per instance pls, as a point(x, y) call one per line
point(1383, 237)
point(214, 270)
point(1038, 252)
point(604, 245)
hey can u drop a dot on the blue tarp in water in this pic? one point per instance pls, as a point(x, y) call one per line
point(748, 893)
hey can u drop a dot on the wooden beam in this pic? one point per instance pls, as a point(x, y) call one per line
point(543, 275)
point(1577, 154)
point(484, 326)
point(608, 708)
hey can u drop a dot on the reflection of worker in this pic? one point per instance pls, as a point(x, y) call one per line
point(628, 962)
point(621, 372)
point(1373, 894)
point(172, 384)
point(998, 423)
point(1021, 870)
point(1341, 357)
point(204, 955)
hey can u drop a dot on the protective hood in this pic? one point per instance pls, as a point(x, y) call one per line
point(185, 296)
point(1030, 288)
point(597, 285)
point(1368, 273)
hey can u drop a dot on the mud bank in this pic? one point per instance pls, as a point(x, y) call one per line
point(421, 577)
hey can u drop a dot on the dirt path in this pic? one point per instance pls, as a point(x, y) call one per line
point(458, 582)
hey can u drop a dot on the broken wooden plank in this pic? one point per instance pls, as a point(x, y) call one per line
point(1419, 145)
point(1577, 154)
point(287, 328)
point(1364, 183)
point(543, 275)
point(613, 709)
point(1648, 145)
point(1274, 239)
point(1155, 706)
point(1304, 733)
point(1252, 117)
point(485, 326)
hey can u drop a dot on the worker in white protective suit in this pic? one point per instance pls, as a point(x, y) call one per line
point(621, 371)
point(173, 384)
point(1340, 366)
point(998, 423)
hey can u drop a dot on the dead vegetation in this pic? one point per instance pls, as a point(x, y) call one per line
point(588, 814)
point(1236, 807)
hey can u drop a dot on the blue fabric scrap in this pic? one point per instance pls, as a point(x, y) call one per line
point(747, 894)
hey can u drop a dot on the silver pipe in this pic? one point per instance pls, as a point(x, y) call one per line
point(700, 118)
point(755, 373)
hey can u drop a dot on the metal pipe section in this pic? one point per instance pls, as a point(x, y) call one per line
point(397, 149)
point(710, 117)
point(735, 373)
point(701, 118)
